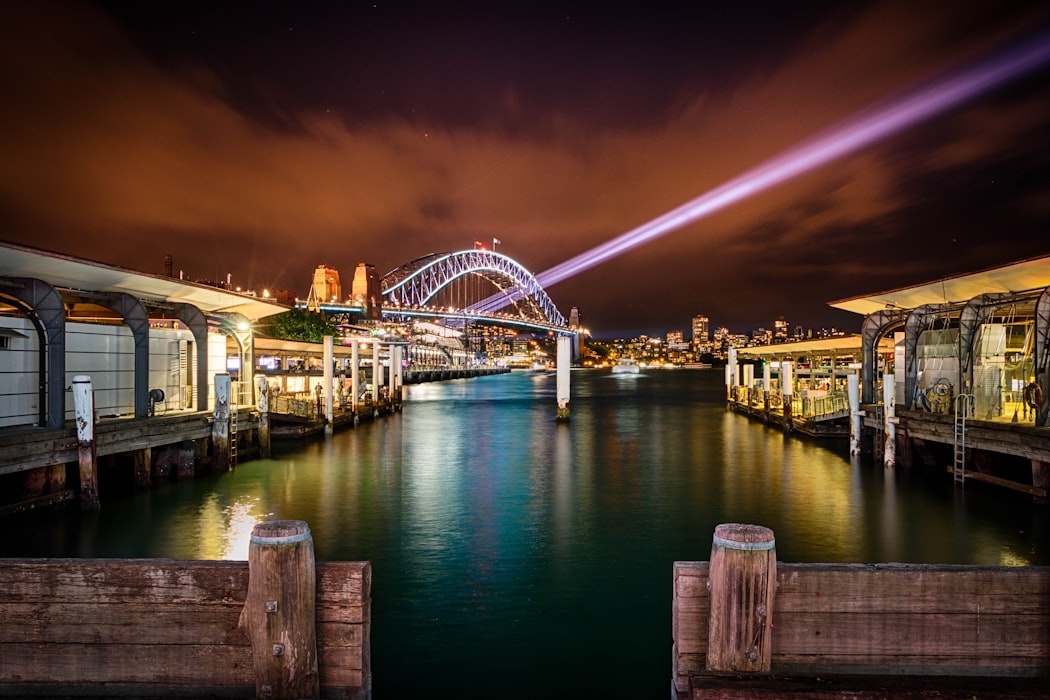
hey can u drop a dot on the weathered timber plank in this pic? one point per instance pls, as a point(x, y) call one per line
point(915, 588)
point(181, 664)
point(129, 581)
point(944, 636)
point(123, 623)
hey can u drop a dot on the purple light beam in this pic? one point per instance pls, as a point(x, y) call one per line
point(875, 123)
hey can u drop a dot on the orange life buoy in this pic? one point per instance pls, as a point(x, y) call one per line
point(1033, 395)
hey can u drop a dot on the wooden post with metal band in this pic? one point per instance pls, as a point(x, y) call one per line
point(279, 612)
point(742, 582)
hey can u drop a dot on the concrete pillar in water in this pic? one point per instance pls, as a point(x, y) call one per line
point(889, 453)
point(729, 383)
point(742, 581)
point(262, 402)
point(853, 391)
point(329, 410)
point(392, 369)
point(279, 614)
point(220, 427)
point(787, 383)
point(734, 373)
point(355, 374)
point(84, 410)
point(749, 382)
point(563, 369)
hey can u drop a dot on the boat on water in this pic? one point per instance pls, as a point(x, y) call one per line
point(626, 366)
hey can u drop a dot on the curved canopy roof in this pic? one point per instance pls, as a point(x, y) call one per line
point(1022, 276)
point(67, 272)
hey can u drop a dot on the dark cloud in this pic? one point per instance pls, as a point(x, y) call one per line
point(261, 139)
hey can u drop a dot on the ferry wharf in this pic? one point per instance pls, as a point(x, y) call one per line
point(951, 374)
point(114, 380)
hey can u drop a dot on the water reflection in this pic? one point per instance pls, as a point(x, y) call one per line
point(502, 540)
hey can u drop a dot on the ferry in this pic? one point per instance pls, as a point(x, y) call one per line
point(626, 366)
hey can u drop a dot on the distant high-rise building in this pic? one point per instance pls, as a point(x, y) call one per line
point(701, 330)
point(326, 287)
point(366, 291)
point(674, 337)
point(780, 330)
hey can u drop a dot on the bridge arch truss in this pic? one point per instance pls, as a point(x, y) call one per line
point(414, 284)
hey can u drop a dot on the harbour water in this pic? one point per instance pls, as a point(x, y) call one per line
point(517, 557)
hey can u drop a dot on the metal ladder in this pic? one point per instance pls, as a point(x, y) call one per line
point(233, 435)
point(959, 468)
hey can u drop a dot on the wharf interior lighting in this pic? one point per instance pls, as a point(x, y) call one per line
point(865, 129)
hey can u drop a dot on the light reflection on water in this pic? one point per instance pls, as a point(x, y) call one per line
point(507, 546)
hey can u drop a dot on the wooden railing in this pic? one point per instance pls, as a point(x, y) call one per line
point(872, 619)
point(109, 627)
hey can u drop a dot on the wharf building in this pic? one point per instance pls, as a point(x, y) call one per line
point(953, 373)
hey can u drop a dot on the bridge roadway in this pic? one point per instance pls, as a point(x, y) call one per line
point(464, 316)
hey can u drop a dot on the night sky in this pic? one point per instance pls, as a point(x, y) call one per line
point(262, 139)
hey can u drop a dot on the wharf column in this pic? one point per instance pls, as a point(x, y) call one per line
point(734, 373)
point(767, 380)
point(377, 373)
point(329, 352)
point(84, 409)
point(564, 355)
point(749, 382)
point(889, 452)
point(853, 391)
point(262, 402)
point(355, 375)
point(220, 427)
point(391, 351)
point(786, 389)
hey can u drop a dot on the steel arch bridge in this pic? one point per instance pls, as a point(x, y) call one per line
point(414, 284)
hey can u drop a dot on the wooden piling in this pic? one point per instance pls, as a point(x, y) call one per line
point(84, 411)
point(279, 612)
point(742, 584)
point(263, 400)
point(220, 428)
point(142, 459)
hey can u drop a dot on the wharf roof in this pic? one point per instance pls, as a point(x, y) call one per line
point(1022, 276)
point(67, 272)
point(821, 347)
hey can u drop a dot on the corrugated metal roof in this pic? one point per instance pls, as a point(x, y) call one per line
point(1021, 276)
point(76, 273)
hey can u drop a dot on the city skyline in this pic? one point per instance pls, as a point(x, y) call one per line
point(259, 140)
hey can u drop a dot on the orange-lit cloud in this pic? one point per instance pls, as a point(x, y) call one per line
point(113, 156)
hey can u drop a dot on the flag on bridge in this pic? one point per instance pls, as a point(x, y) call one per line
point(478, 245)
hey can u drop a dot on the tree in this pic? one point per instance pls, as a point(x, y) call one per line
point(297, 324)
